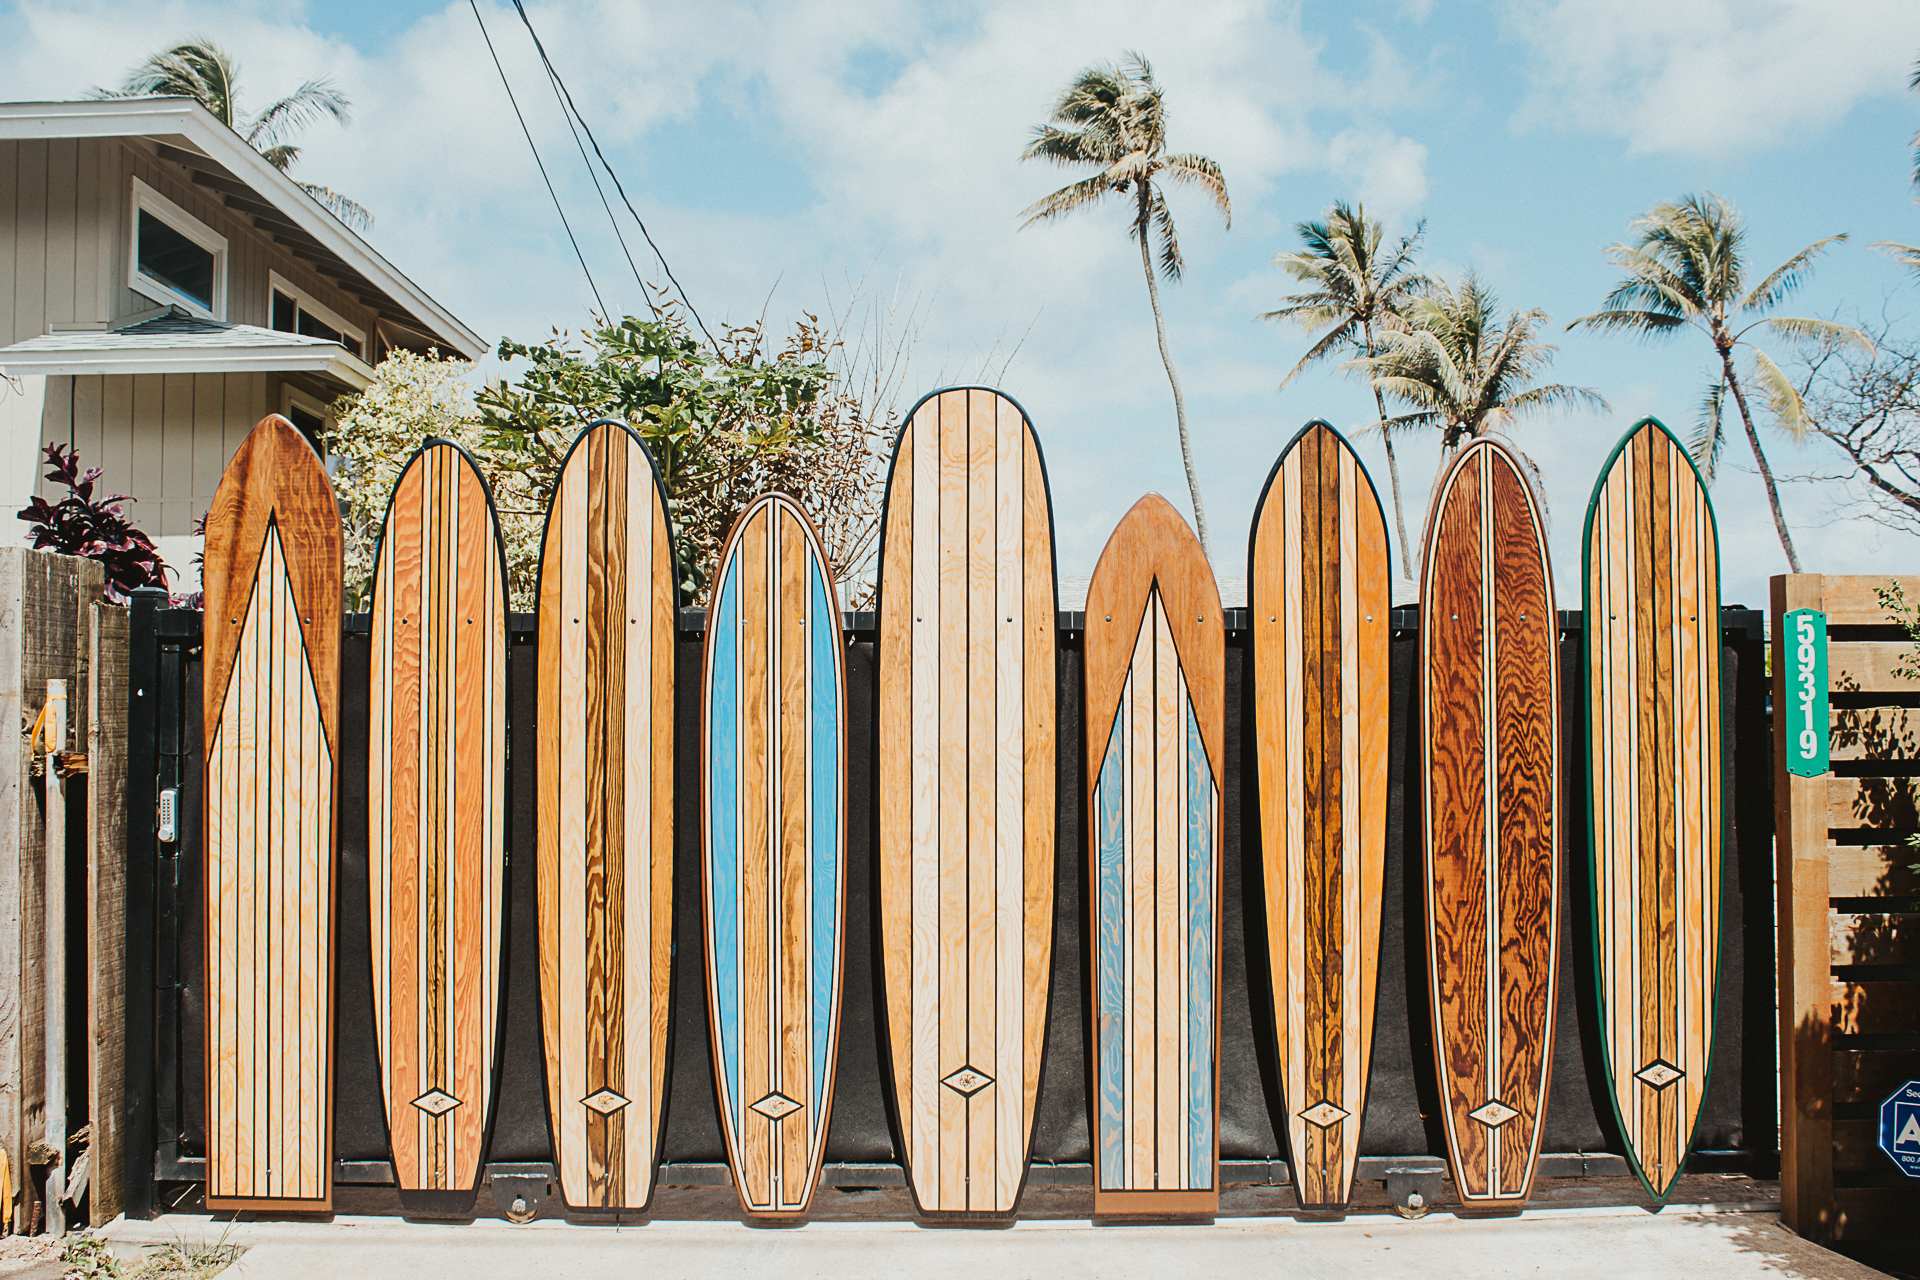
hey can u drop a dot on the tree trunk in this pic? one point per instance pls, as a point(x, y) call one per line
point(1393, 465)
point(1760, 460)
point(1179, 401)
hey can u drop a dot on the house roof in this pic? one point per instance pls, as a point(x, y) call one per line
point(221, 162)
point(180, 343)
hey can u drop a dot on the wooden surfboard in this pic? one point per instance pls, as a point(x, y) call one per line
point(1652, 588)
point(1490, 709)
point(605, 828)
point(773, 812)
point(271, 706)
point(436, 814)
point(967, 779)
point(1156, 679)
point(1318, 576)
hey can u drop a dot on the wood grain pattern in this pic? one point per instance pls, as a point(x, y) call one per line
point(773, 806)
point(605, 823)
point(967, 778)
point(436, 815)
point(1155, 671)
point(271, 635)
point(1652, 598)
point(1489, 695)
point(1318, 584)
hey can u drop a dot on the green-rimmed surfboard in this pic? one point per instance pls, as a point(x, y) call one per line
point(1652, 588)
point(773, 727)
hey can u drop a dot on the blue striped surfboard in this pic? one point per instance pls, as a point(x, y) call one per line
point(773, 725)
point(1155, 724)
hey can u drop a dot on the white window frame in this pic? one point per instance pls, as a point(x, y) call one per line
point(146, 199)
point(290, 396)
point(277, 283)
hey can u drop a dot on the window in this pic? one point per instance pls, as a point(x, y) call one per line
point(294, 311)
point(176, 258)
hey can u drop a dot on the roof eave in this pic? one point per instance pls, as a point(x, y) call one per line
point(330, 361)
point(183, 117)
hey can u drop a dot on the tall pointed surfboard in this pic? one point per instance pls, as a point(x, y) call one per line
point(271, 654)
point(967, 779)
point(605, 825)
point(1156, 680)
point(1651, 576)
point(436, 814)
point(1318, 582)
point(1490, 707)
point(773, 808)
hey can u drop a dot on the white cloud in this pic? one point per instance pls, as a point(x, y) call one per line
point(1695, 77)
point(1387, 172)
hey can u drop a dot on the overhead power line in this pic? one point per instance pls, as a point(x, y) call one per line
point(536, 159)
point(567, 98)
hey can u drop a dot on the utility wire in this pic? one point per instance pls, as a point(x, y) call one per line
point(613, 221)
point(536, 158)
point(521, 9)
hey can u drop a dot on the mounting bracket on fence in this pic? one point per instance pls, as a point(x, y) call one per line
point(1414, 1188)
point(520, 1189)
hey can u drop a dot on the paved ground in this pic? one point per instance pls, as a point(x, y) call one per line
point(1620, 1243)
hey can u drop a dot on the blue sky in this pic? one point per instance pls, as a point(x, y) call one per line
point(821, 148)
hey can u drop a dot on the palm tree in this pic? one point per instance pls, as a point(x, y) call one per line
point(202, 70)
point(1688, 267)
point(1461, 369)
point(1115, 117)
point(1352, 287)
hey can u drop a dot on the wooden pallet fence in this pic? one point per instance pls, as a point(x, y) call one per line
point(1849, 1016)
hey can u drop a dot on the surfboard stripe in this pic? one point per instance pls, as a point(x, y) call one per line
point(605, 827)
point(271, 645)
point(1318, 577)
point(437, 832)
point(1155, 706)
point(966, 793)
point(774, 855)
point(1653, 687)
point(1490, 702)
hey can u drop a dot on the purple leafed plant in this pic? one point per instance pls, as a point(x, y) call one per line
point(96, 528)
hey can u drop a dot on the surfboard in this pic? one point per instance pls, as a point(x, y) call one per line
point(436, 814)
point(271, 717)
point(1317, 577)
point(605, 822)
point(1156, 706)
point(1490, 705)
point(1652, 594)
point(773, 810)
point(967, 792)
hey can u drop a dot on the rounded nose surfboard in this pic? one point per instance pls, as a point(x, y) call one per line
point(773, 723)
point(436, 816)
point(271, 630)
point(1155, 671)
point(1652, 635)
point(605, 823)
point(1489, 696)
point(1318, 583)
point(967, 786)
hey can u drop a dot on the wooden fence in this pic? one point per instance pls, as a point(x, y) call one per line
point(1849, 943)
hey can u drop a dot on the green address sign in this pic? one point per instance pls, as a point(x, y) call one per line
point(1804, 649)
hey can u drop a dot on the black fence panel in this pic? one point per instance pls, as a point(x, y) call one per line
point(166, 1045)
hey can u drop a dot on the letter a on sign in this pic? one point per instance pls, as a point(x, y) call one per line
point(1802, 654)
point(1900, 1128)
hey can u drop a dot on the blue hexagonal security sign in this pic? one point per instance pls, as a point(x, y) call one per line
point(1900, 1128)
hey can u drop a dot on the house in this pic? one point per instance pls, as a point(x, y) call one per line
point(163, 288)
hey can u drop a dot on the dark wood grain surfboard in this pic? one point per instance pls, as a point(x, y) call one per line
point(1490, 703)
point(605, 826)
point(436, 815)
point(1318, 588)
point(967, 784)
point(773, 809)
point(1652, 587)
point(271, 655)
point(1155, 671)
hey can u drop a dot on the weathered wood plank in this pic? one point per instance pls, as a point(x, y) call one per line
point(1850, 600)
point(1870, 1075)
point(1867, 666)
point(1875, 733)
point(1873, 802)
point(1861, 938)
point(1874, 1008)
point(107, 908)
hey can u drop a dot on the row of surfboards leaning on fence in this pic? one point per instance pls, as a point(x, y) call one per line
point(966, 824)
